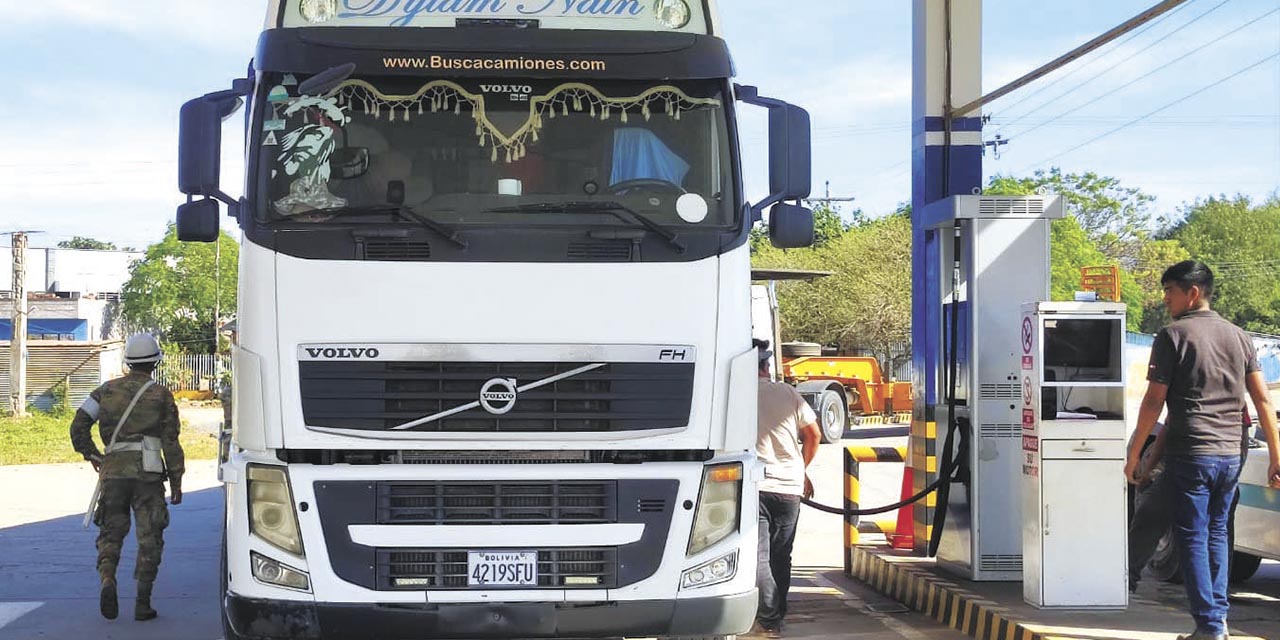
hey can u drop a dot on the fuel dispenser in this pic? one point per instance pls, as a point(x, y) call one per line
point(1074, 529)
point(994, 257)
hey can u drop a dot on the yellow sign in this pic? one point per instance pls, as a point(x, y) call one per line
point(1104, 280)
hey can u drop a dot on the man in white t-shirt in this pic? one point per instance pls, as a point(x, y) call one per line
point(787, 440)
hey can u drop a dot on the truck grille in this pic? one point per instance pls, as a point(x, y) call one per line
point(548, 502)
point(380, 395)
point(485, 503)
point(442, 569)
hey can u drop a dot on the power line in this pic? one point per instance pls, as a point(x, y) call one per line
point(1155, 70)
point(975, 106)
point(1101, 56)
point(1110, 68)
point(1171, 104)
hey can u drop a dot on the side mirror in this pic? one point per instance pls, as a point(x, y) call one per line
point(790, 152)
point(790, 226)
point(198, 221)
point(790, 149)
point(349, 162)
point(200, 144)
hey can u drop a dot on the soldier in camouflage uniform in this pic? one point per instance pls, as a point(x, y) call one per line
point(127, 483)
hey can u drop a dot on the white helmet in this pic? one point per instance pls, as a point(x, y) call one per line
point(141, 349)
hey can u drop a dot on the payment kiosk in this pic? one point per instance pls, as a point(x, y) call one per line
point(1074, 526)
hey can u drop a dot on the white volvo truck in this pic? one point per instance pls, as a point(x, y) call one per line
point(494, 374)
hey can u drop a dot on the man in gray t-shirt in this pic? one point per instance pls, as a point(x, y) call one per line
point(787, 439)
point(1201, 367)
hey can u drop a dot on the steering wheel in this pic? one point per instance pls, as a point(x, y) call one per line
point(653, 184)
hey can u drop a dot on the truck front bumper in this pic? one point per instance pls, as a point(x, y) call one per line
point(270, 619)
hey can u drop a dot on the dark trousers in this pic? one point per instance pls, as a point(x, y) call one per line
point(1152, 517)
point(1203, 489)
point(778, 516)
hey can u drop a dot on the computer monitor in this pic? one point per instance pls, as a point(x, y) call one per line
point(1079, 344)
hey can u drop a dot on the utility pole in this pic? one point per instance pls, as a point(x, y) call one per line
point(217, 292)
point(18, 344)
point(995, 145)
point(217, 314)
point(828, 200)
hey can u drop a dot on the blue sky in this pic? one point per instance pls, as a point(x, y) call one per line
point(94, 91)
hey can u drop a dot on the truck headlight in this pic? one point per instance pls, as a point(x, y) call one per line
point(718, 510)
point(281, 575)
point(673, 14)
point(722, 569)
point(271, 514)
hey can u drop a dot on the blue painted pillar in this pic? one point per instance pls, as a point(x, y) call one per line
point(938, 171)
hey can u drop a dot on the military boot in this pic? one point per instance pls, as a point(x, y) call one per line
point(107, 602)
point(142, 608)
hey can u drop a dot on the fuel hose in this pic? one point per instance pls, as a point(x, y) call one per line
point(953, 459)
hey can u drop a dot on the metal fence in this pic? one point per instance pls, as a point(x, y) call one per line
point(188, 372)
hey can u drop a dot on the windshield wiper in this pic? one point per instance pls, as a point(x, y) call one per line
point(400, 211)
point(616, 209)
point(448, 233)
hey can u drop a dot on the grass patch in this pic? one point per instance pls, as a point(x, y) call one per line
point(43, 438)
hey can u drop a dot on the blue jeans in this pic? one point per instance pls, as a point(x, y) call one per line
point(1203, 487)
point(778, 516)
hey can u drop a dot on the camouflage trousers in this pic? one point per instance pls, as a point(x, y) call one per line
point(146, 499)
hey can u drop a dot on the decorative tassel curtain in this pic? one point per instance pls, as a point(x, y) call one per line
point(443, 96)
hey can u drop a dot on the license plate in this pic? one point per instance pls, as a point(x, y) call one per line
point(502, 569)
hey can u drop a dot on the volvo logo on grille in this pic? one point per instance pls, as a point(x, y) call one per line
point(498, 396)
point(343, 353)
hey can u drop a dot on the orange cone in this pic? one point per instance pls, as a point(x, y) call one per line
point(903, 534)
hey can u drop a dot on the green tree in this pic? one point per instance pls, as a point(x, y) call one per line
point(174, 290)
point(1115, 217)
point(1153, 259)
point(1240, 241)
point(1082, 238)
point(866, 304)
point(1071, 250)
point(80, 242)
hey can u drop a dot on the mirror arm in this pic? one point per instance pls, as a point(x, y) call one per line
point(757, 209)
point(224, 198)
point(217, 194)
point(751, 95)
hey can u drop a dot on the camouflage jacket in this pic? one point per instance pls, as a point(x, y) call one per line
point(155, 415)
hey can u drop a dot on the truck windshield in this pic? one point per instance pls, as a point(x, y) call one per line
point(491, 153)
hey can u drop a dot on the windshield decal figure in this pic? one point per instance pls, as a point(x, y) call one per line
point(304, 154)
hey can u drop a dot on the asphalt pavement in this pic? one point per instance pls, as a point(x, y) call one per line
point(50, 585)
